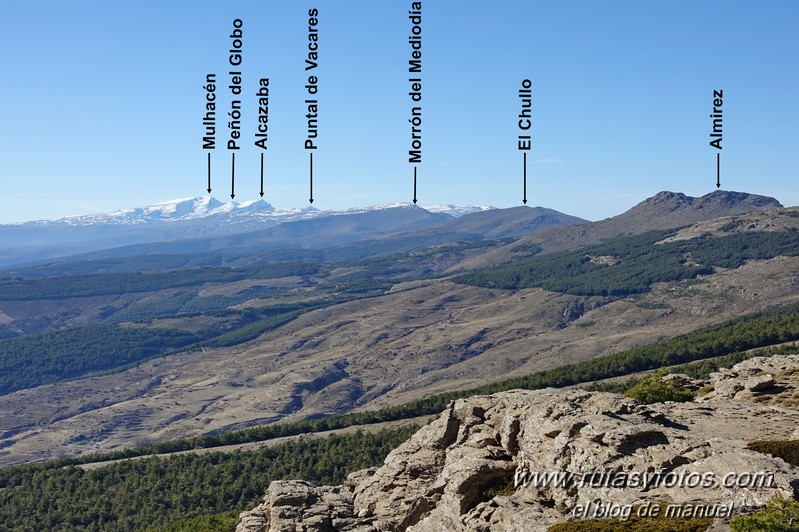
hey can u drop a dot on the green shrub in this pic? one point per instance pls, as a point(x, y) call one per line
point(224, 522)
point(654, 389)
point(780, 515)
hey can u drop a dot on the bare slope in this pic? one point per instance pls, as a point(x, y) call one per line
point(369, 353)
point(416, 339)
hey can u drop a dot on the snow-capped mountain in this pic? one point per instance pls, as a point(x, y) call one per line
point(204, 223)
point(456, 211)
point(173, 210)
point(206, 206)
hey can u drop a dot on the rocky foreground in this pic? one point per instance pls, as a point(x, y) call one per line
point(483, 464)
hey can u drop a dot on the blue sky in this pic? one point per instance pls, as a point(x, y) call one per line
point(102, 102)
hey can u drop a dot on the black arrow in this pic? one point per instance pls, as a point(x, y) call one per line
point(718, 170)
point(525, 178)
point(311, 167)
point(262, 175)
point(232, 175)
point(209, 172)
point(414, 185)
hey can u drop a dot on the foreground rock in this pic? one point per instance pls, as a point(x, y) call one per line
point(479, 466)
point(293, 502)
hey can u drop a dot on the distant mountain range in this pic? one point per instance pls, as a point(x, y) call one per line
point(198, 218)
point(204, 207)
point(172, 327)
point(664, 210)
point(204, 224)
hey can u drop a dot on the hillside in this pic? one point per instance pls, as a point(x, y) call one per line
point(327, 346)
point(199, 488)
point(665, 210)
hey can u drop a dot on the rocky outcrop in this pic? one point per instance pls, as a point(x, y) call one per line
point(297, 505)
point(524, 460)
point(755, 377)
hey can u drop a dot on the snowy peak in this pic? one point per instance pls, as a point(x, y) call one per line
point(205, 207)
point(243, 207)
point(199, 207)
point(167, 211)
point(456, 211)
point(254, 206)
point(180, 208)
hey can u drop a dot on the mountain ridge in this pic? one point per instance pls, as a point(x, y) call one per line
point(203, 206)
point(667, 210)
point(206, 217)
point(385, 330)
point(190, 226)
point(664, 210)
point(170, 221)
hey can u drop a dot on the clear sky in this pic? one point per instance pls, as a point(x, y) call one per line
point(102, 102)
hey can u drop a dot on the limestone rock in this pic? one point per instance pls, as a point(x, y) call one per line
point(775, 379)
point(291, 505)
point(760, 383)
point(253, 520)
point(481, 466)
point(684, 381)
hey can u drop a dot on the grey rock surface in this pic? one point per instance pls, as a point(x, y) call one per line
point(481, 465)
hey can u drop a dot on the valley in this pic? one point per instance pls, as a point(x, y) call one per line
point(261, 342)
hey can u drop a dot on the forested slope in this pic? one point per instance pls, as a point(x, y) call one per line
point(135, 494)
point(630, 265)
